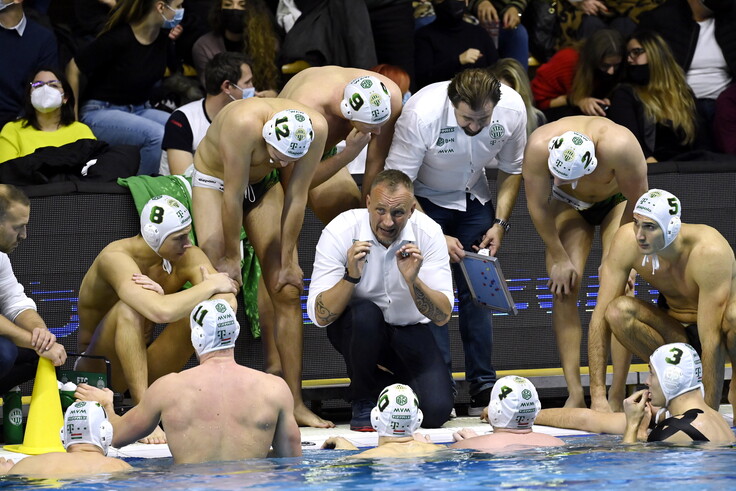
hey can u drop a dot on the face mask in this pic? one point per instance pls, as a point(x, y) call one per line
point(248, 92)
point(406, 96)
point(172, 23)
point(638, 74)
point(450, 9)
point(46, 99)
point(233, 20)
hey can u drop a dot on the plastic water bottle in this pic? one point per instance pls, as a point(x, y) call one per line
point(13, 416)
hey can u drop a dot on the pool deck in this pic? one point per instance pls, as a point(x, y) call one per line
point(312, 438)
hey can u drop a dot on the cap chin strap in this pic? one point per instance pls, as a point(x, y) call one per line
point(166, 264)
point(655, 261)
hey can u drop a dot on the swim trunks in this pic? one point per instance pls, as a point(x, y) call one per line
point(593, 213)
point(253, 193)
point(329, 153)
point(670, 426)
point(691, 330)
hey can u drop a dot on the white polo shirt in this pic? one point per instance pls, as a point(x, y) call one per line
point(12, 299)
point(381, 281)
point(442, 160)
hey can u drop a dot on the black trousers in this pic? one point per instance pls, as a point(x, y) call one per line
point(410, 352)
point(17, 365)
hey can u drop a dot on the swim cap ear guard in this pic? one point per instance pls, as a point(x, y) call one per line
point(214, 326)
point(290, 132)
point(678, 368)
point(514, 403)
point(571, 156)
point(664, 208)
point(366, 100)
point(86, 422)
point(397, 412)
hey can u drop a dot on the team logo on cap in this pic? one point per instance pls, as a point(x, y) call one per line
point(299, 117)
point(526, 394)
point(366, 83)
point(568, 154)
point(401, 400)
point(220, 308)
point(577, 140)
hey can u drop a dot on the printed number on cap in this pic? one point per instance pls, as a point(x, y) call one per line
point(674, 206)
point(505, 391)
point(676, 355)
point(356, 102)
point(157, 214)
point(199, 316)
point(283, 130)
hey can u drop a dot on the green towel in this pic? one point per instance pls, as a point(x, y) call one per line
point(144, 188)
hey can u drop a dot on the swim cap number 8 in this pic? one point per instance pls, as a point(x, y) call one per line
point(157, 214)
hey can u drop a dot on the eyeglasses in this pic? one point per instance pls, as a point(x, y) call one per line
point(635, 53)
point(51, 83)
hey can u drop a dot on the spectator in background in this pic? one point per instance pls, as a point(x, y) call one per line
point(700, 35)
point(122, 66)
point(656, 103)
point(553, 80)
point(25, 46)
point(228, 77)
point(510, 72)
point(449, 45)
point(597, 72)
point(49, 119)
point(505, 17)
point(580, 19)
point(392, 23)
point(247, 27)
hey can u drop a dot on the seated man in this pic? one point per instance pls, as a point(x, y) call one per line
point(86, 436)
point(692, 267)
point(120, 299)
point(227, 77)
point(513, 408)
point(23, 334)
point(380, 276)
point(396, 417)
point(216, 411)
point(675, 383)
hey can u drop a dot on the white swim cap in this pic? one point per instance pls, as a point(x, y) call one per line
point(397, 412)
point(571, 156)
point(366, 100)
point(86, 422)
point(664, 208)
point(214, 326)
point(514, 403)
point(161, 217)
point(678, 368)
point(289, 132)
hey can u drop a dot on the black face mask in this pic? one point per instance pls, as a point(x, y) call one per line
point(637, 74)
point(233, 20)
point(450, 10)
point(605, 76)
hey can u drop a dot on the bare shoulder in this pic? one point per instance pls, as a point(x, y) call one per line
point(706, 241)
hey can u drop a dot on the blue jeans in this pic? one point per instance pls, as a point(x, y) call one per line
point(138, 125)
point(514, 43)
point(365, 340)
point(476, 327)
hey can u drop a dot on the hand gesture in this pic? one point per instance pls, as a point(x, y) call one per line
point(409, 260)
point(356, 257)
point(486, 13)
point(511, 18)
point(42, 339)
point(56, 353)
point(290, 274)
point(147, 283)
point(593, 107)
point(470, 56)
point(230, 266)
point(635, 406)
point(355, 142)
point(562, 278)
point(455, 249)
point(175, 32)
point(86, 392)
point(222, 282)
point(491, 240)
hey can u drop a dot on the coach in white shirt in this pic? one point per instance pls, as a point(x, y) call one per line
point(381, 277)
point(447, 135)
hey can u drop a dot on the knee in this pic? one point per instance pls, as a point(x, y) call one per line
point(620, 312)
point(8, 355)
point(436, 412)
point(365, 315)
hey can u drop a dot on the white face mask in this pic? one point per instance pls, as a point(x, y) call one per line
point(248, 92)
point(46, 99)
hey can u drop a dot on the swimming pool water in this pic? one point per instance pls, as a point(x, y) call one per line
point(585, 463)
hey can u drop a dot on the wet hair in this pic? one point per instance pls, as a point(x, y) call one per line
point(9, 195)
point(510, 71)
point(30, 118)
point(397, 75)
point(129, 12)
point(260, 41)
point(601, 44)
point(223, 66)
point(475, 87)
point(392, 179)
point(667, 99)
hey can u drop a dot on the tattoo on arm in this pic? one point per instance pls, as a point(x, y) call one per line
point(325, 315)
point(426, 307)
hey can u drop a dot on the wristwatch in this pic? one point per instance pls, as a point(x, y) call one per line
point(349, 278)
point(504, 224)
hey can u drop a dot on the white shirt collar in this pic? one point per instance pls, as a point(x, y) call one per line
point(21, 27)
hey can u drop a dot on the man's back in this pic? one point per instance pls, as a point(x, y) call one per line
point(224, 411)
point(60, 465)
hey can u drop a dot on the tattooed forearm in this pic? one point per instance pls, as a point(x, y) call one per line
point(427, 308)
point(325, 315)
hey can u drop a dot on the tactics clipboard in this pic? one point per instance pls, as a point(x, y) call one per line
point(486, 282)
